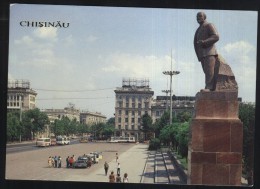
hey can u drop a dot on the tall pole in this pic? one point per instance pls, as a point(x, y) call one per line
point(171, 73)
point(20, 104)
point(166, 91)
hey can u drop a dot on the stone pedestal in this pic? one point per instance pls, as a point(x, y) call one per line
point(215, 149)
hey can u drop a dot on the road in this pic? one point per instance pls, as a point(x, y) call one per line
point(32, 164)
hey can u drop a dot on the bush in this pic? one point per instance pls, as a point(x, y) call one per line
point(154, 144)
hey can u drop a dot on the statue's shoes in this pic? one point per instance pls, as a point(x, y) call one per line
point(204, 90)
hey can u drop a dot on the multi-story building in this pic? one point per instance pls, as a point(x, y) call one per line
point(20, 96)
point(92, 118)
point(70, 112)
point(132, 101)
point(179, 104)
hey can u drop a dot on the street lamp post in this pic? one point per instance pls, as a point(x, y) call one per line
point(166, 91)
point(20, 106)
point(171, 73)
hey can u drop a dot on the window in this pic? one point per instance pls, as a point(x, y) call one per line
point(120, 104)
point(133, 120)
point(126, 120)
point(120, 112)
point(157, 113)
point(139, 105)
point(119, 120)
point(126, 112)
point(146, 104)
point(133, 113)
point(127, 105)
point(133, 127)
point(133, 105)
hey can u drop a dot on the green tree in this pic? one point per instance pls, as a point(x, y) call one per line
point(14, 128)
point(146, 125)
point(247, 116)
point(34, 121)
point(162, 122)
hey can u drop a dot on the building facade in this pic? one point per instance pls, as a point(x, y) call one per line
point(179, 104)
point(71, 112)
point(20, 96)
point(132, 101)
point(92, 118)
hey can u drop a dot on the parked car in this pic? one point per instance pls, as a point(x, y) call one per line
point(83, 140)
point(80, 164)
point(98, 155)
point(93, 157)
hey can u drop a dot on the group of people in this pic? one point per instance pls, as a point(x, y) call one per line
point(54, 161)
point(70, 161)
point(117, 178)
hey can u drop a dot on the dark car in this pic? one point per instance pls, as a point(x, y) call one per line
point(80, 163)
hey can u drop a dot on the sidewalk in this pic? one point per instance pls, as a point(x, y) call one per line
point(131, 162)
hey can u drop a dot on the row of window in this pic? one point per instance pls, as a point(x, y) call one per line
point(132, 120)
point(14, 104)
point(127, 128)
point(133, 98)
point(133, 105)
point(128, 112)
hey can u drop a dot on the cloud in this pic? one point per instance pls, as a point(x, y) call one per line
point(46, 33)
point(241, 56)
point(91, 38)
point(25, 40)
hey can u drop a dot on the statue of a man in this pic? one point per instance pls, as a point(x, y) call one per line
point(204, 43)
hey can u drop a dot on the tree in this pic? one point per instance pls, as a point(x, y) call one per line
point(34, 121)
point(247, 116)
point(162, 122)
point(146, 125)
point(14, 128)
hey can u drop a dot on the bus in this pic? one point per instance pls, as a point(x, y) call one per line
point(62, 140)
point(43, 142)
point(122, 139)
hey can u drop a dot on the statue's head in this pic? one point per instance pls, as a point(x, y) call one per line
point(201, 17)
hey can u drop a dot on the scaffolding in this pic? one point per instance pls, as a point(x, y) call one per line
point(130, 82)
point(15, 84)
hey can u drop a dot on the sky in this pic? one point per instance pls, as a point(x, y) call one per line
point(85, 62)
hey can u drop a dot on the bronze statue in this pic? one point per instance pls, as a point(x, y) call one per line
point(218, 74)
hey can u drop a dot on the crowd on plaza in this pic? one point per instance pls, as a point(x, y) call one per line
point(56, 162)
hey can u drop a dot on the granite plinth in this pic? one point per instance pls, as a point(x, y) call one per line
point(215, 149)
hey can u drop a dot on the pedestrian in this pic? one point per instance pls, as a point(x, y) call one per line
point(59, 162)
point(118, 168)
point(106, 166)
point(112, 177)
point(125, 178)
point(116, 157)
point(56, 161)
point(50, 161)
point(67, 162)
point(118, 178)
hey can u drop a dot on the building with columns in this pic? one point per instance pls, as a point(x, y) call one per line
point(92, 118)
point(20, 96)
point(133, 100)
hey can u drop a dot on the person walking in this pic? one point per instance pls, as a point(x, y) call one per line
point(118, 178)
point(125, 178)
point(50, 161)
point(67, 162)
point(118, 168)
point(59, 162)
point(112, 177)
point(116, 157)
point(56, 161)
point(106, 167)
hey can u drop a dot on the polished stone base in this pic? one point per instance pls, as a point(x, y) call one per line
point(215, 149)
